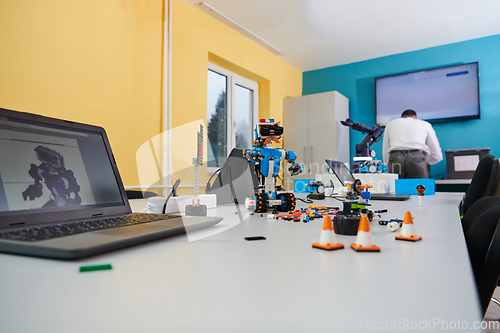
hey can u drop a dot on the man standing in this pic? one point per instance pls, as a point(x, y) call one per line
point(409, 146)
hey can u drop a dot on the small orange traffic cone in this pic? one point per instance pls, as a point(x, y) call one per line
point(408, 230)
point(327, 239)
point(364, 240)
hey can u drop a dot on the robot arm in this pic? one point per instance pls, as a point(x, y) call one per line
point(374, 135)
point(295, 168)
point(35, 190)
point(72, 188)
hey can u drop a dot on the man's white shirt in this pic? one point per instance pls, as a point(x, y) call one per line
point(409, 134)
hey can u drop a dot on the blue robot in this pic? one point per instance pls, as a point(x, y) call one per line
point(60, 181)
point(267, 162)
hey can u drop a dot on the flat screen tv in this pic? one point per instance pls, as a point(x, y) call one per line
point(436, 95)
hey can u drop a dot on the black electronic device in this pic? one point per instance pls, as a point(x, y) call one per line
point(61, 195)
point(236, 179)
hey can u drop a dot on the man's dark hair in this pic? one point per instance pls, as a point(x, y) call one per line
point(408, 113)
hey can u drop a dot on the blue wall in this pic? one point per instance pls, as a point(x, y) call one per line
point(356, 81)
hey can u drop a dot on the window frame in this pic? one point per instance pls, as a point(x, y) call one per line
point(234, 79)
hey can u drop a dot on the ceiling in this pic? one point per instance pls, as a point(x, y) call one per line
point(316, 34)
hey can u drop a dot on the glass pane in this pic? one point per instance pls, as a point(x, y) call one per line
point(217, 119)
point(243, 116)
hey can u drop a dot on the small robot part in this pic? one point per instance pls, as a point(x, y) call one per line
point(355, 189)
point(307, 214)
point(346, 222)
point(390, 221)
point(316, 190)
point(393, 226)
point(372, 166)
point(420, 190)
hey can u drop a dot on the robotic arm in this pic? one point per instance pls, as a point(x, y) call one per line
point(295, 168)
point(374, 135)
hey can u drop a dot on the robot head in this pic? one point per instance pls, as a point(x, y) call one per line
point(49, 156)
point(420, 189)
point(268, 130)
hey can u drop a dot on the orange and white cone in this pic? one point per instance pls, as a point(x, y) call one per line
point(327, 239)
point(364, 240)
point(408, 230)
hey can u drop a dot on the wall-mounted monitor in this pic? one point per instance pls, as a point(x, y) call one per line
point(436, 95)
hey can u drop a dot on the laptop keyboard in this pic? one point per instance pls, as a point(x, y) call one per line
point(67, 229)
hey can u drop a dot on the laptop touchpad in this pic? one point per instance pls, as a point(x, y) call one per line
point(127, 230)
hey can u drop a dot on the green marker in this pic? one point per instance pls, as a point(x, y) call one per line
point(94, 268)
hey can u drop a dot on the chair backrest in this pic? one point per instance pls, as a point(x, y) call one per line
point(479, 182)
point(493, 188)
point(483, 244)
point(488, 278)
point(483, 209)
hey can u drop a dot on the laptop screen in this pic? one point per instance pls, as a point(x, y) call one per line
point(341, 171)
point(46, 167)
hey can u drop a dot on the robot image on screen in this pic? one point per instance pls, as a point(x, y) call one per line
point(58, 180)
point(267, 162)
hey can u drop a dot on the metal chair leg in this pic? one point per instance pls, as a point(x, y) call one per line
point(497, 302)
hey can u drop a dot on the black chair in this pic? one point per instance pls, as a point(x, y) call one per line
point(493, 187)
point(479, 183)
point(483, 244)
point(483, 209)
point(138, 194)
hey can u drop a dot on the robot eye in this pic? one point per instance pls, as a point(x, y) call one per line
point(271, 130)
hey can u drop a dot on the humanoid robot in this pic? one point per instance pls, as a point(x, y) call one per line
point(60, 181)
point(267, 162)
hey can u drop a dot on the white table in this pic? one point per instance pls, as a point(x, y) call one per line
point(224, 283)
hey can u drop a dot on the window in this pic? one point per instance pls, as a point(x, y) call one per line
point(232, 111)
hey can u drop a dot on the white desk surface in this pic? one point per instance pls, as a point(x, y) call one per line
point(224, 283)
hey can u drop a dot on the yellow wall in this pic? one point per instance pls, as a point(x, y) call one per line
point(92, 61)
point(100, 62)
point(198, 38)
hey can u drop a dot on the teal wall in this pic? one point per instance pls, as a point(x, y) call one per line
point(356, 81)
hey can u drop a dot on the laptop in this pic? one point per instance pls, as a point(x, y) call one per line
point(344, 175)
point(61, 195)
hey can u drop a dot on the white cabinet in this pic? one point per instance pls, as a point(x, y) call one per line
point(312, 130)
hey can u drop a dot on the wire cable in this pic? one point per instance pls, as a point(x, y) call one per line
point(218, 171)
point(305, 201)
point(338, 197)
point(172, 192)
